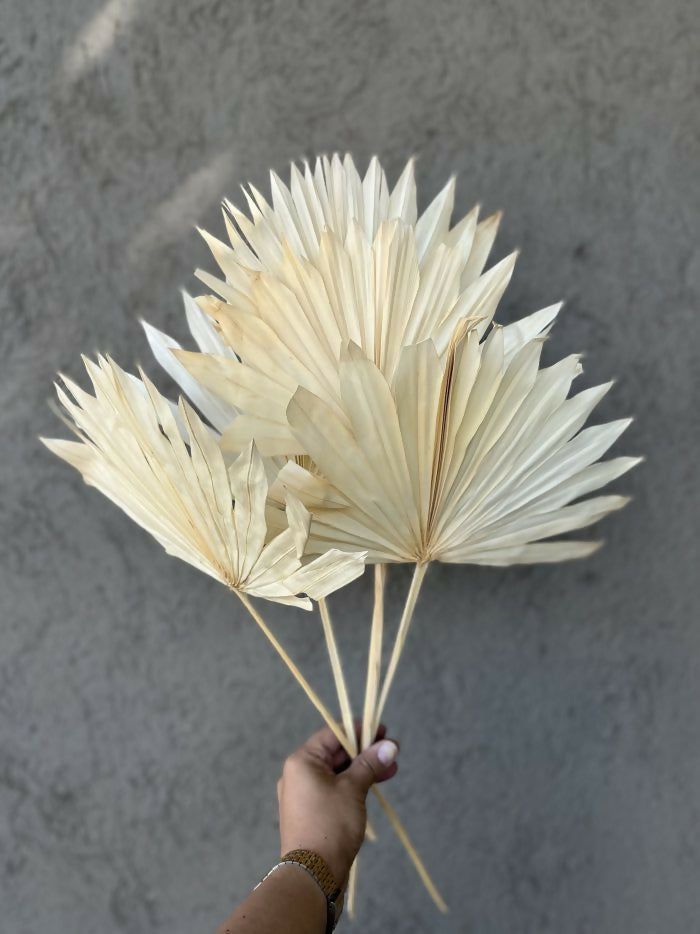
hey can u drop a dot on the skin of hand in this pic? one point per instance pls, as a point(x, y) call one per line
point(322, 796)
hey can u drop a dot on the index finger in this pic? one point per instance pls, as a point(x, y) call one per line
point(323, 744)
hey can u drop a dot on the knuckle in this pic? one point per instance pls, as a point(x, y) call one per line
point(291, 764)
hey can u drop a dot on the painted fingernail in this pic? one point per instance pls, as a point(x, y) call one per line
point(387, 751)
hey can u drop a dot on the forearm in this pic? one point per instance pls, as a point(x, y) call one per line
point(287, 902)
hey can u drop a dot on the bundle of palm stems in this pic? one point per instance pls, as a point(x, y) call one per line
point(352, 401)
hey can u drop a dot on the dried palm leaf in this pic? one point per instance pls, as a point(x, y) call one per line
point(474, 459)
point(336, 258)
point(182, 493)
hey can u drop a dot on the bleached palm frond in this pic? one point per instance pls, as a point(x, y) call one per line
point(180, 490)
point(336, 258)
point(478, 458)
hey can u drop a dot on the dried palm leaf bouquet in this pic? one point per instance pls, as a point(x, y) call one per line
point(357, 404)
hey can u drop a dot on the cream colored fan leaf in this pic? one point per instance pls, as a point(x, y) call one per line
point(471, 459)
point(180, 490)
point(332, 259)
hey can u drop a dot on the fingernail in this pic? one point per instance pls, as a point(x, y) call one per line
point(387, 751)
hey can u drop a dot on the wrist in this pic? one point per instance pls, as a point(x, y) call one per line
point(318, 870)
point(295, 874)
point(289, 884)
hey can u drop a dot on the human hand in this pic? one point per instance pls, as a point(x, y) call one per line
point(322, 796)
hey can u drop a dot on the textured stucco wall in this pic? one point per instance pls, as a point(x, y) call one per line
point(549, 717)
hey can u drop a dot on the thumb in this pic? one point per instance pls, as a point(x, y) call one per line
point(374, 764)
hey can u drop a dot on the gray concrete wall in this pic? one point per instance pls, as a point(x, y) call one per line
point(549, 716)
